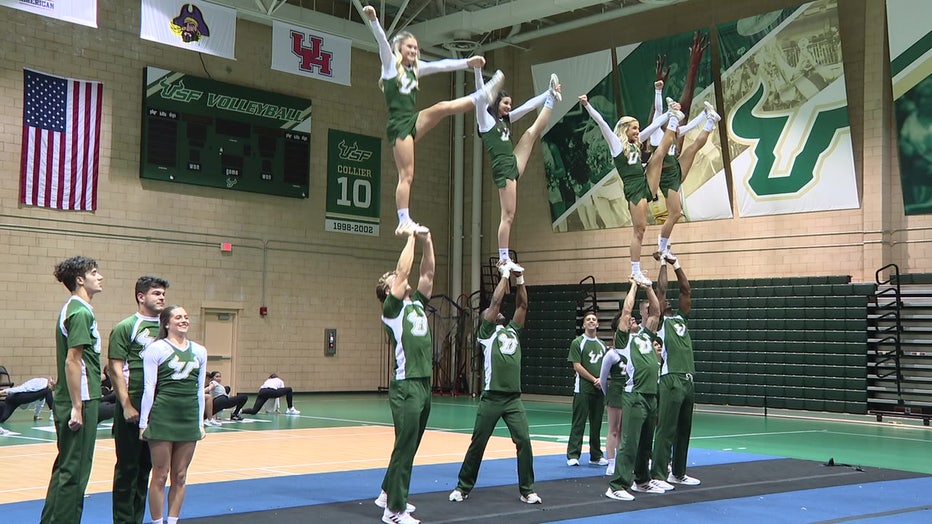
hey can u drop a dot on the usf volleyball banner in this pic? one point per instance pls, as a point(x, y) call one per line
point(82, 12)
point(353, 183)
point(302, 51)
point(584, 189)
point(199, 26)
point(789, 136)
point(911, 69)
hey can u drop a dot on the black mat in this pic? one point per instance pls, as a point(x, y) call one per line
point(583, 497)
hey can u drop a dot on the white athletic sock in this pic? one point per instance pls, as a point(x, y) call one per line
point(673, 123)
point(709, 125)
point(662, 243)
point(403, 216)
point(635, 267)
point(503, 253)
point(692, 123)
point(172, 520)
point(156, 521)
point(548, 103)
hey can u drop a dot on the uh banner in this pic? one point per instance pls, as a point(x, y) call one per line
point(353, 183)
point(584, 188)
point(911, 69)
point(302, 51)
point(789, 136)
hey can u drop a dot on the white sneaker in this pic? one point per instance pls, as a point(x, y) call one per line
point(457, 496)
point(685, 480)
point(513, 266)
point(490, 90)
point(531, 498)
point(382, 502)
point(674, 112)
point(390, 517)
point(641, 280)
point(601, 462)
point(668, 256)
point(711, 113)
point(292, 411)
point(618, 495)
point(554, 82)
point(572, 462)
point(410, 227)
point(5, 432)
point(212, 422)
point(662, 485)
point(646, 487)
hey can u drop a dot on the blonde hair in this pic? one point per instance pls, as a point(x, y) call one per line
point(621, 127)
point(397, 40)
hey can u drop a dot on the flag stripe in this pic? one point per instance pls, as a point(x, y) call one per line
point(61, 142)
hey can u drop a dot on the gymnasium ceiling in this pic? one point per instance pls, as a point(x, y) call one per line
point(446, 27)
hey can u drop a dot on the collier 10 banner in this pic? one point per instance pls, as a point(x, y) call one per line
point(353, 183)
point(209, 133)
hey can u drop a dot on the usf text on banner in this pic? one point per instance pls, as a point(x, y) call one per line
point(82, 12)
point(302, 51)
point(61, 142)
point(353, 183)
point(199, 26)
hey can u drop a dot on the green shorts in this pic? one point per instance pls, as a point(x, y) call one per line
point(636, 188)
point(401, 127)
point(504, 172)
point(671, 176)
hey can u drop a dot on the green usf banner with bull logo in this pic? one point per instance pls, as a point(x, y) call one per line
point(911, 69)
point(353, 183)
point(789, 136)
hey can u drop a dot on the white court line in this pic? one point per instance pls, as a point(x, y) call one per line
point(764, 434)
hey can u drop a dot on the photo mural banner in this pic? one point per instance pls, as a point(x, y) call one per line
point(789, 136)
point(584, 188)
point(911, 69)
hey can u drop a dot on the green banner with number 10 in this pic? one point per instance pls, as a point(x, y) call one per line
point(353, 183)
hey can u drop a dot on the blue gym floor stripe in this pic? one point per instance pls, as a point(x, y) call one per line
point(242, 496)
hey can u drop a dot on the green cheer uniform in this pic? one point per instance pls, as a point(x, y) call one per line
point(406, 323)
point(502, 153)
point(173, 398)
point(401, 99)
point(629, 167)
point(77, 328)
point(677, 398)
point(588, 402)
point(131, 473)
point(501, 399)
point(614, 376)
point(640, 408)
point(671, 176)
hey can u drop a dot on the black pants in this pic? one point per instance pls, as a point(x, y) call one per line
point(267, 393)
point(8, 406)
point(226, 401)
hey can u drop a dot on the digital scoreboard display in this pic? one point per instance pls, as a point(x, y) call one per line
point(208, 133)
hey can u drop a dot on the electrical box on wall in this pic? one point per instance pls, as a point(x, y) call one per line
point(330, 342)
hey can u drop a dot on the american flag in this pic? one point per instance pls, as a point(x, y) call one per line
point(61, 142)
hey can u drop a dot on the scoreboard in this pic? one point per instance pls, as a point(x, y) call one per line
point(208, 133)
